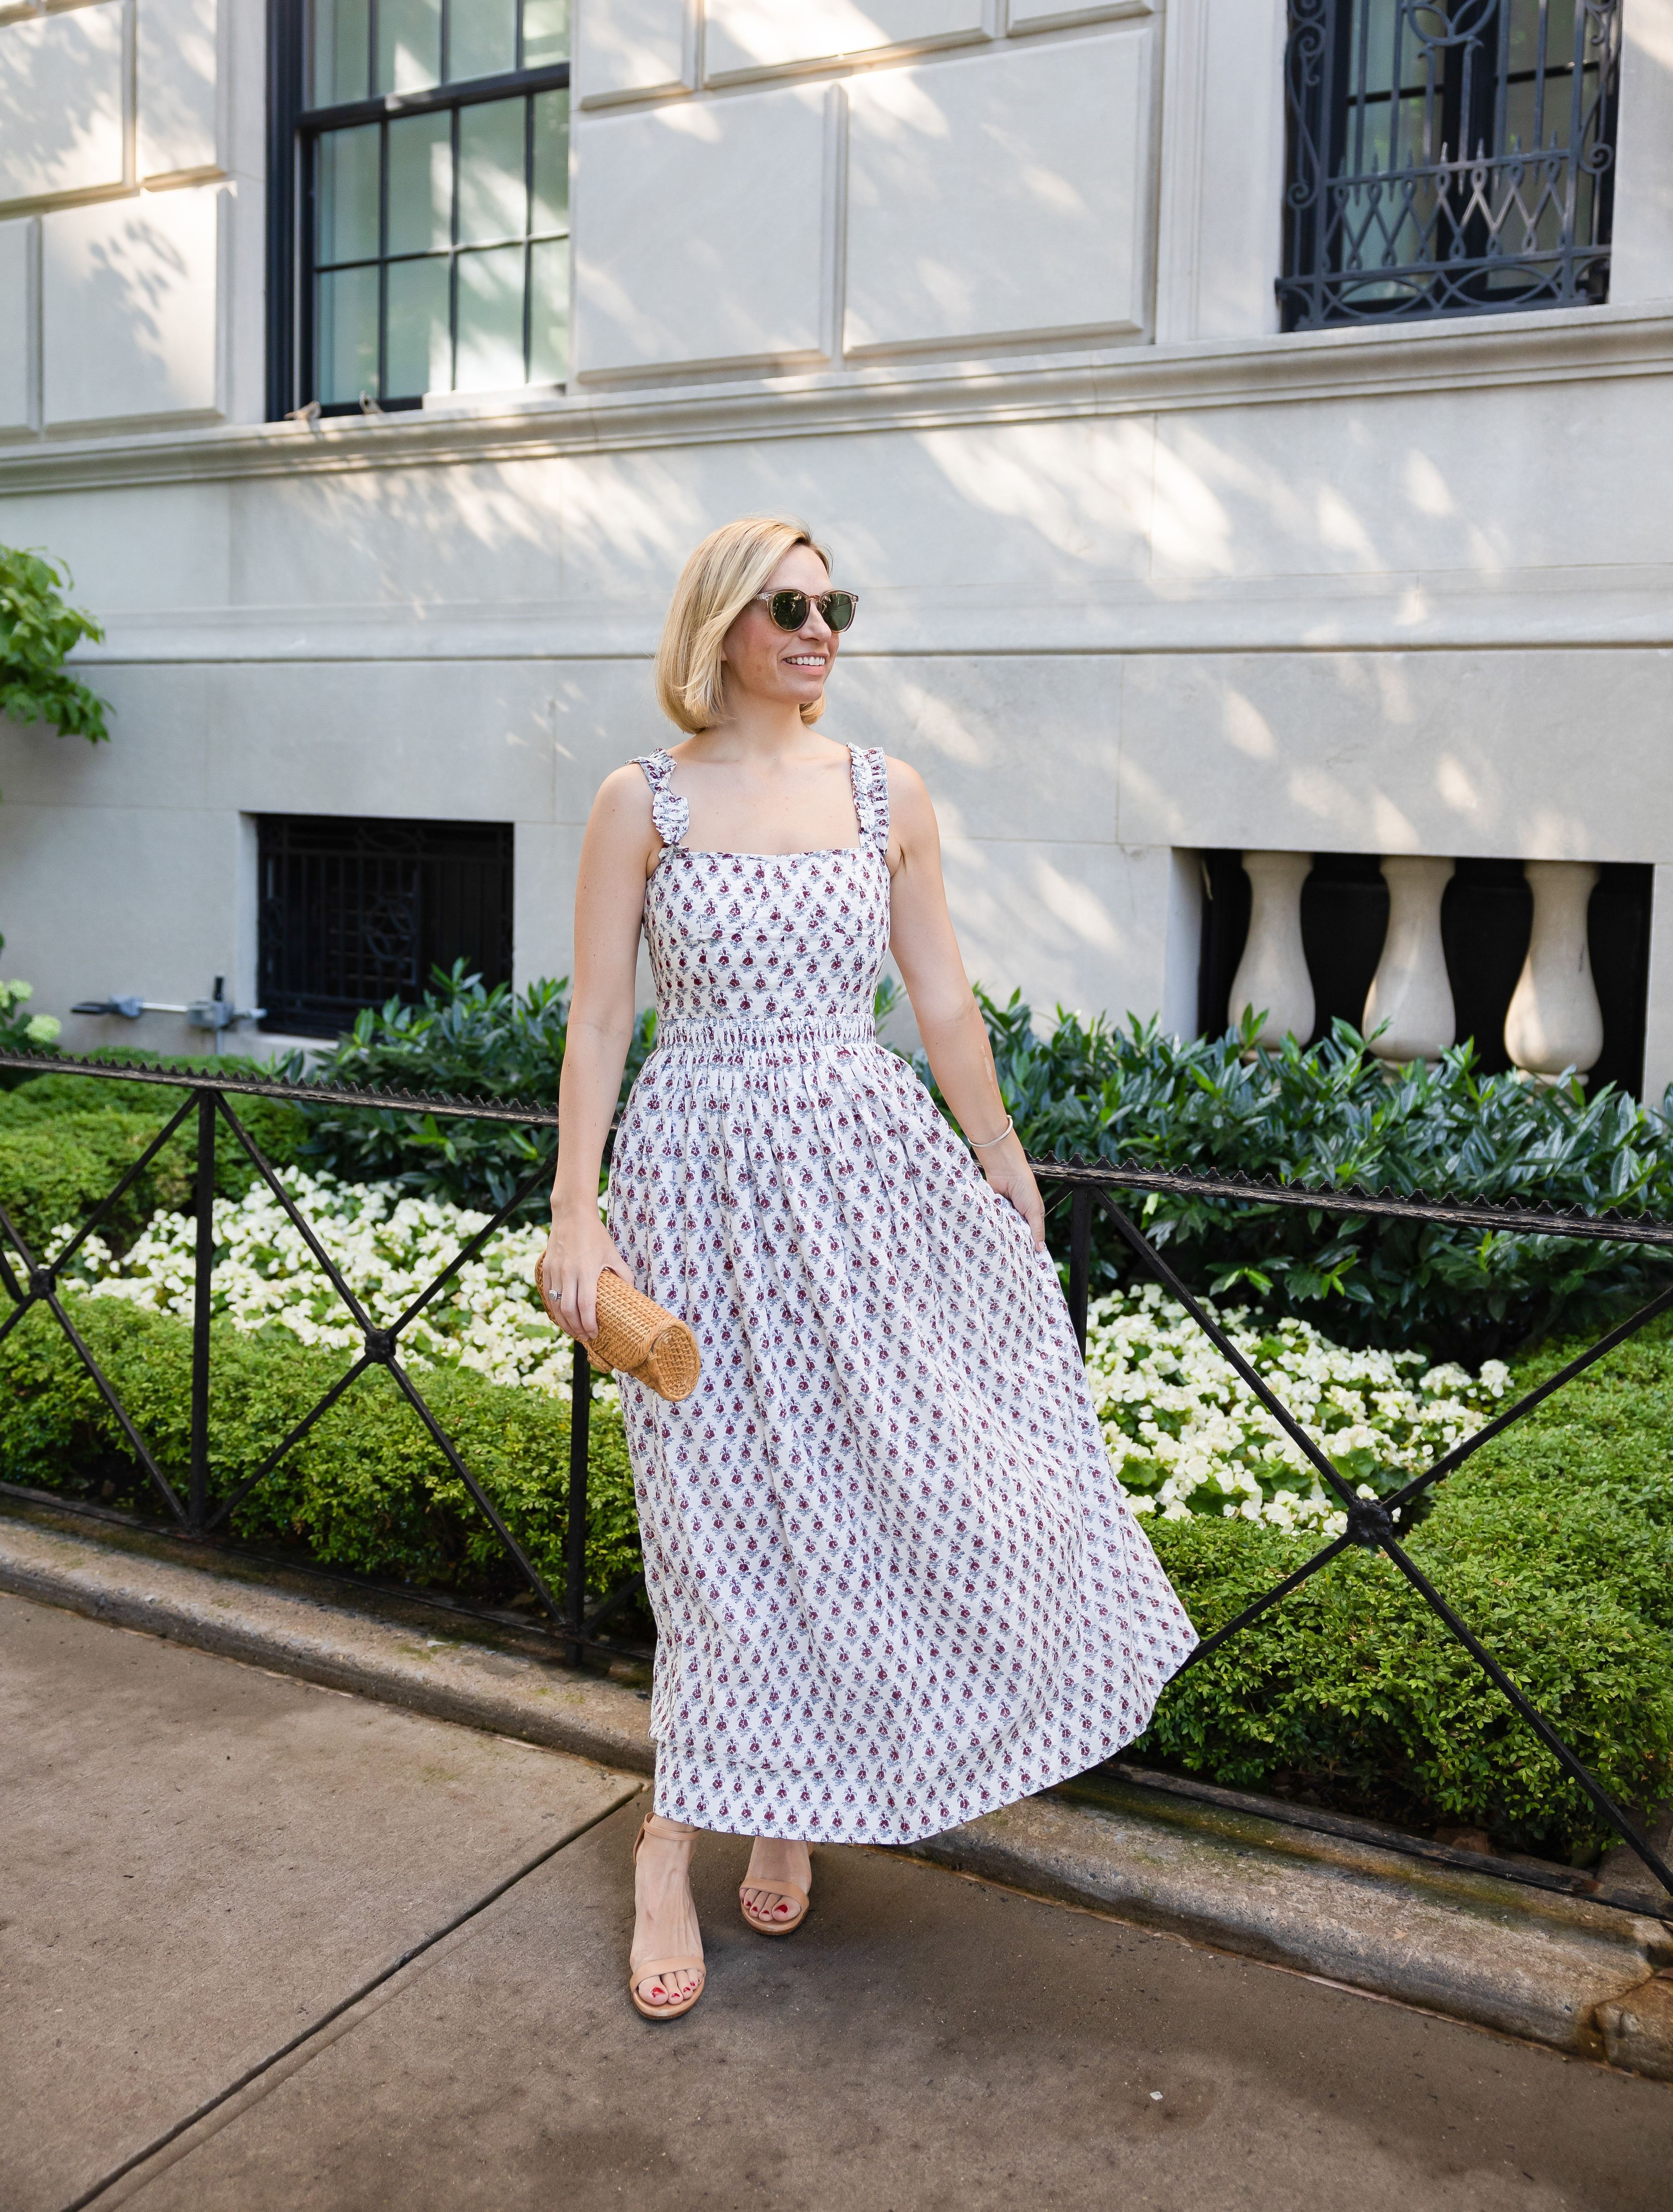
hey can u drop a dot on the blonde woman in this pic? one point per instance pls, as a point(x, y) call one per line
point(895, 1583)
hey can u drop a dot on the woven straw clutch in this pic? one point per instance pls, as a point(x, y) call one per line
point(635, 1337)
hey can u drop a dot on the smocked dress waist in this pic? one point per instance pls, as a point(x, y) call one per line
point(698, 1041)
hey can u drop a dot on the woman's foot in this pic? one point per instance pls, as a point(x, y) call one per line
point(665, 1922)
point(771, 1860)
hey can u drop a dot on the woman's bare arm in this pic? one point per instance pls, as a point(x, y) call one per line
point(610, 903)
point(949, 1020)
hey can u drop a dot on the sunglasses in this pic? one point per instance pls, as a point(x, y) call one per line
point(789, 609)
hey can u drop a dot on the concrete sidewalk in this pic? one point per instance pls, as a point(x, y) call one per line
point(203, 1860)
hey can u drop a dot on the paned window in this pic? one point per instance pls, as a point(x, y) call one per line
point(428, 157)
point(353, 913)
point(1447, 157)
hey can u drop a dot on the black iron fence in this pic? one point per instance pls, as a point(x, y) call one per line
point(30, 1279)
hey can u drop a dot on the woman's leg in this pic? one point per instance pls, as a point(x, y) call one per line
point(665, 1922)
point(772, 1857)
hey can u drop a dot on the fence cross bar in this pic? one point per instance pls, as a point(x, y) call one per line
point(44, 1272)
point(230, 1503)
point(1530, 1713)
point(444, 1444)
point(298, 1220)
point(141, 1451)
point(1450, 1461)
point(1216, 1336)
point(466, 1253)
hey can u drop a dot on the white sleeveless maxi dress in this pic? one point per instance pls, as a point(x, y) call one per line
point(895, 1581)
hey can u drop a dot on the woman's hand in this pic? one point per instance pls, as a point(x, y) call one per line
point(577, 1253)
point(1008, 1173)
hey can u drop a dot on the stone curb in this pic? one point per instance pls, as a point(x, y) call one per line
point(1580, 1977)
point(446, 1676)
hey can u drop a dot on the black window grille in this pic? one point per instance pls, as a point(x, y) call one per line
point(421, 158)
point(1447, 157)
point(353, 913)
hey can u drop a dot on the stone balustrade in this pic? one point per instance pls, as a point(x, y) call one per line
point(1554, 1022)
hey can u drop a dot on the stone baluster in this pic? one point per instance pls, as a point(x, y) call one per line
point(1410, 992)
point(1272, 977)
point(1554, 1021)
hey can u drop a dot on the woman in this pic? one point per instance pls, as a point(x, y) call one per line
point(895, 1582)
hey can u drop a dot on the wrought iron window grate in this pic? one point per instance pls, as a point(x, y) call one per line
point(1447, 157)
point(354, 911)
point(28, 1280)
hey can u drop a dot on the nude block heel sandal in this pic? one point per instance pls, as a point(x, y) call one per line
point(776, 1888)
point(650, 1970)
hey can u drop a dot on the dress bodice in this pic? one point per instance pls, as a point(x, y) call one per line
point(775, 941)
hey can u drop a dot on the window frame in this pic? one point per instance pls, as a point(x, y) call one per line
point(1323, 109)
point(293, 130)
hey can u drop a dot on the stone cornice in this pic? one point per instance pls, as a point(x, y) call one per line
point(1546, 609)
point(1586, 344)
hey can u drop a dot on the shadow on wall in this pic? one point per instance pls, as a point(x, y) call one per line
point(1486, 917)
point(51, 142)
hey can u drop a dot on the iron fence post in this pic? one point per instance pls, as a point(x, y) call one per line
point(1080, 1261)
point(574, 1547)
point(198, 1499)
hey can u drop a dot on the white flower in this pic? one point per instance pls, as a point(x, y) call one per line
point(1188, 1434)
point(387, 1246)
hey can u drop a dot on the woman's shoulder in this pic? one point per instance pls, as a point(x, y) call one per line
point(905, 784)
point(626, 793)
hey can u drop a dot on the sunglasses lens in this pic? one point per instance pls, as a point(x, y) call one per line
point(837, 608)
point(788, 609)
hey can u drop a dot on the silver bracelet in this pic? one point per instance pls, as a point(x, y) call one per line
point(987, 1144)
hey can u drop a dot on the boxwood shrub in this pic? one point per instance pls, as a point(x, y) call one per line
point(65, 1141)
point(1555, 1543)
point(366, 1489)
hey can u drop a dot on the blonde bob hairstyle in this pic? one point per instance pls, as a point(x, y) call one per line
point(716, 583)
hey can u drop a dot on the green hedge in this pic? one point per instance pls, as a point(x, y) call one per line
point(65, 1141)
point(366, 1489)
point(1555, 1544)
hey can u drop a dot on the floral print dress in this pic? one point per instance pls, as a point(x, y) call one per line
point(895, 1583)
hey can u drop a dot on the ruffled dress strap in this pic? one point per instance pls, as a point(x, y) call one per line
point(871, 794)
point(670, 812)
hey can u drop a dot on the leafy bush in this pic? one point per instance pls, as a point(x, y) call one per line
point(37, 633)
point(19, 1032)
point(366, 1489)
point(1335, 1116)
point(1555, 1544)
point(65, 1141)
point(463, 1041)
point(1353, 1691)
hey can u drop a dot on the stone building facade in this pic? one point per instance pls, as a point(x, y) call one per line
point(374, 366)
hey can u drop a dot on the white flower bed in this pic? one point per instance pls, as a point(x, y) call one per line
point(1185, 1435)
point(385, 1243)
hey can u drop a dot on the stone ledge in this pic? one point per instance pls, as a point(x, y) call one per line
point(1526, 1962)
point(1581, 1977)
point(445, 1674)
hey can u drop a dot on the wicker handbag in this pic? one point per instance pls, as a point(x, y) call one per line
point(635, 1337)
